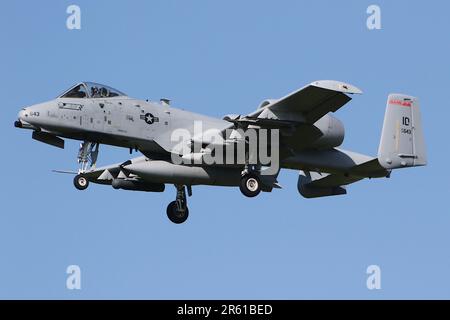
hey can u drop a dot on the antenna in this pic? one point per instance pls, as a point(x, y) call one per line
point(165, 101)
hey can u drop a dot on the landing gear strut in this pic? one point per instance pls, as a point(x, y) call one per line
point(87, 159)
point(87, 156)
point(177, 211)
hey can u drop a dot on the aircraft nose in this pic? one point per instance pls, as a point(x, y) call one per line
point(22, 114)
point(35, 116)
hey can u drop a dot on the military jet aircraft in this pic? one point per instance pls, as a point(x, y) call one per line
point(308, 137)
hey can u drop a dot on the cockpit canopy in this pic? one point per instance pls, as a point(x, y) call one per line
point(91, 90)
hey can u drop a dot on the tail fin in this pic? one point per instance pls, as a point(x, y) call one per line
point(402, 143)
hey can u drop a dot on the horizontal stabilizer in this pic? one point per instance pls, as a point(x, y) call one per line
point(315, 185)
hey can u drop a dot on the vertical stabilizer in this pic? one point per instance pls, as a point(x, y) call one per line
point(402, 143)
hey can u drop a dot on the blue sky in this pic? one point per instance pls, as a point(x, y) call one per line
point(221, 57)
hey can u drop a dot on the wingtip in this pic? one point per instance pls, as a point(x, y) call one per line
point(337, 86)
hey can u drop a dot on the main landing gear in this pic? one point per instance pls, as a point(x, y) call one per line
point(250, 184)
point(177, 211)
point(87, 159)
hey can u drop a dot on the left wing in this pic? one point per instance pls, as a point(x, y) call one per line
point(306, 105)
point(295, 114)
point(315, 100)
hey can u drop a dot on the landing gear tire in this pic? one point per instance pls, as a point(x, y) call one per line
point(175, 215)
point(80, 182)
point(250, 185)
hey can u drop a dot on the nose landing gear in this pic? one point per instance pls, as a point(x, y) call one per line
point(177, 211)
point(87, 159)
point(87, 156)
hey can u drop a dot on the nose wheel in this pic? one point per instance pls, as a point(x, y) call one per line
point(177, 211)
point(80, 182)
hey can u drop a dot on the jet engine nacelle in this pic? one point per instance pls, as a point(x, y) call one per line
point(332, 129)
point(137, 185)
point(307, 190)
point(333, 132)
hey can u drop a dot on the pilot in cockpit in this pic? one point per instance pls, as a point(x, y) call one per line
point(94, 92)
point(101, 92)
point(91, 90)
